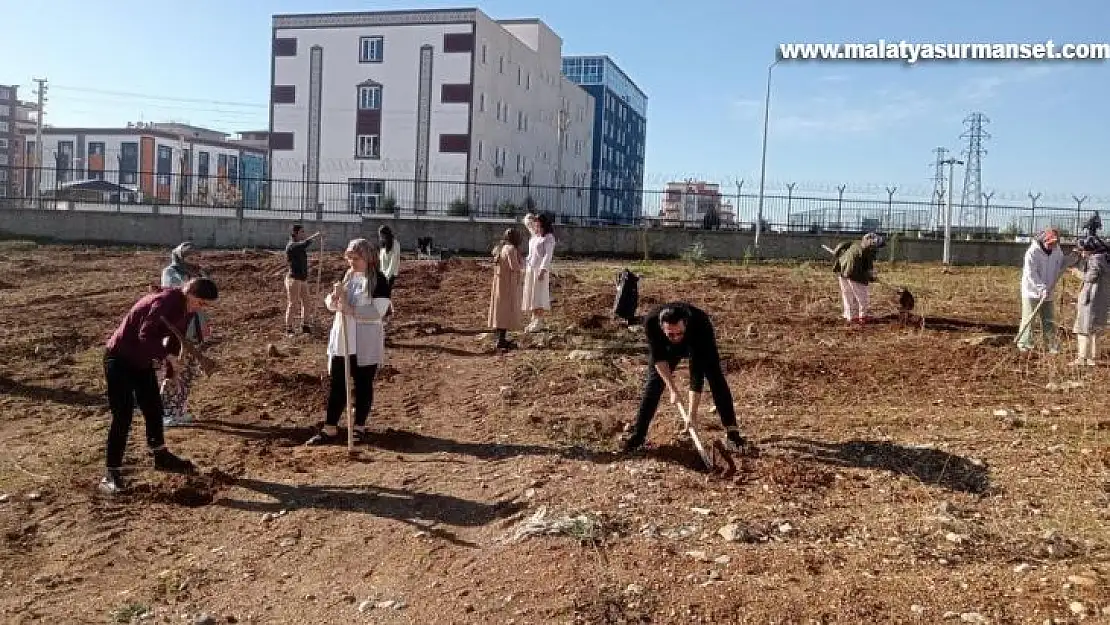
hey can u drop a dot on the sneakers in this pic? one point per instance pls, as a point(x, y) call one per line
point(112, 482)
point(165, 460)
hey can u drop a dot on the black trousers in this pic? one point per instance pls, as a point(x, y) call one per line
point(654, 387)
point(128, 385)
point(363, 377)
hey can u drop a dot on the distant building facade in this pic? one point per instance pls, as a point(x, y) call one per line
point(619, 136)
point(424, 111)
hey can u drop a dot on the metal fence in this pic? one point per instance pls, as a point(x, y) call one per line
point(790, 210)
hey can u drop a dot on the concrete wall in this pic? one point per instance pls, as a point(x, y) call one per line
point(458, 234)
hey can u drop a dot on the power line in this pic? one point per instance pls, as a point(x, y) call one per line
point(145, 96)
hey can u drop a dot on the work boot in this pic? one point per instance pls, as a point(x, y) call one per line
point(634, 443)
point(165, 460)
point(112, 482)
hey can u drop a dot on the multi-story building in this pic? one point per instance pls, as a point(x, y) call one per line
point(687, 203)
point(619, 133)
point(429, 110)
point(9, 101)
point(171, 163)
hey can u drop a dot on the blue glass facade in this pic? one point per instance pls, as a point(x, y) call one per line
point(620, 128)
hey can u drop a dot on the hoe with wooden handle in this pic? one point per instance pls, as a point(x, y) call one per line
point(689, 427)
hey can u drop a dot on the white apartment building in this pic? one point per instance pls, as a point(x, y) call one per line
point(425, 109)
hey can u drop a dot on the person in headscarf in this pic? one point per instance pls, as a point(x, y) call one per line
point(175, 389)
point(1094, 297)
point(1041, 270)
point(506, 296)
point(855, 270)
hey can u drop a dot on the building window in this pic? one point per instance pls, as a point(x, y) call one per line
point(96, 161)
point(233, 170)
point(368, 146)
point(129, 163)
point(202, 165)
point(64, 161)
point(285, 46)
point(455, 94)
point(501, 64)
point(481, 103)
point(454, 144)
point(518, 162)
point(479, 150)
point(3, 144)
point(520, 120)
point(284, 94)
point(458, 42)
point(483, 54)
point(528, 81)
point(281, 141)
point(370, 97)
point(364, 195)
point(519, 76)
point(370, 49)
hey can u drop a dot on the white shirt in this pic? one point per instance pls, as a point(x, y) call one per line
point(390, 260)
point(365, 336)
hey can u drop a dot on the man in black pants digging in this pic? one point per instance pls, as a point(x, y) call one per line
point(130, 362)
point(676, 331)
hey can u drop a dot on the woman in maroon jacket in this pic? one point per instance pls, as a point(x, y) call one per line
point(133, 352)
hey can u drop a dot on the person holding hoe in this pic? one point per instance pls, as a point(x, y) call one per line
point(359, 302)
point(175, 390)
point(1044, 264)
point(675, 331)
point(145, 337)
point(855, 270)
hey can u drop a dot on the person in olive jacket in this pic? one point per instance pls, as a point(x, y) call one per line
point(855, 270)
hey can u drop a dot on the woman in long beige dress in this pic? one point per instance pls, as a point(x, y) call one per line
point(505, 310)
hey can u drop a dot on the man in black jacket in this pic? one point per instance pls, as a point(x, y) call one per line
point(676, 331)
point(296, 280)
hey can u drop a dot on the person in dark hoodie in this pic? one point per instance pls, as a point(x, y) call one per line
point(142, 340)
point(175, 392)
point(855, 270)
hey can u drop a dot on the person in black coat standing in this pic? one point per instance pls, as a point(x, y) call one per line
point(675, 331)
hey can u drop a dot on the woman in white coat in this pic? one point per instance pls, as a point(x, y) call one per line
point(537, 272)
point(359, 301)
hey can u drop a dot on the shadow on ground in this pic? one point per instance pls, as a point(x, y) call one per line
point(924, 464)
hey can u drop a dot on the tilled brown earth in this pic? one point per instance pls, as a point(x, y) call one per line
point(905, 476)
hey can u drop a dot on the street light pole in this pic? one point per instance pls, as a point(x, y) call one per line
point(951, 162)
point(763, 159)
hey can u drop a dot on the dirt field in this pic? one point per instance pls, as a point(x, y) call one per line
point(905, 476)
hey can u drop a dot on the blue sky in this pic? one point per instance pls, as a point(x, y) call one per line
point(866, 124)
